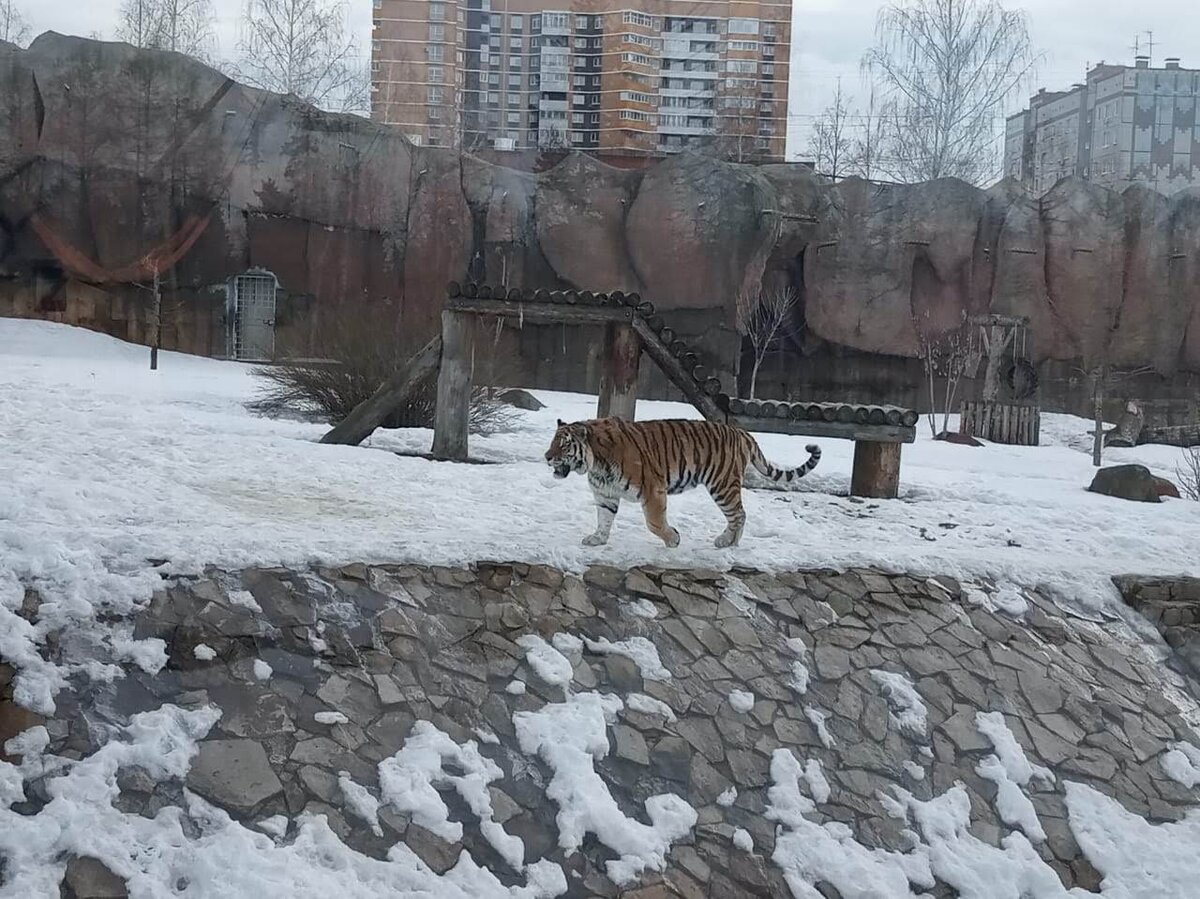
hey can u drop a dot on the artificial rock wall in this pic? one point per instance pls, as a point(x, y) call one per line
point(357, 656)
point(107, 153)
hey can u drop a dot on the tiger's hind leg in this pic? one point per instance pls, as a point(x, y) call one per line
point(606, 511)
point(654, 506)
point(729, 500)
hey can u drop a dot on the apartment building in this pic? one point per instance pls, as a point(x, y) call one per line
point(642, 77)
point(1123, 125)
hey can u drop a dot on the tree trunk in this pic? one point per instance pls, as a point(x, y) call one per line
point(1098, 414)
point(754, 376)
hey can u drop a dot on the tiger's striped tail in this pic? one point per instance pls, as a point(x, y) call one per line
point(786, 475)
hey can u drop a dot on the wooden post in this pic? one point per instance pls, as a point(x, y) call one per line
point(618, 379)
point(371, 413)
point(876, 471)
point(454, 386)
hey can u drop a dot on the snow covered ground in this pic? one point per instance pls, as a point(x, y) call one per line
point(111, 475)
point(108, 465)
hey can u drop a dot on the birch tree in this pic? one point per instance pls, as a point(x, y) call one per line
point(761, 318)
point(184, 26)
point(830, 144)
point(13, 27)
point(302, 47)
point(945, 69)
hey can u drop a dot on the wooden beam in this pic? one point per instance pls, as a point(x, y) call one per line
point(557, 313)
point(371, 413)
point(843, 430)
point(876, 471)
point(618, 381)
point(454, 386)
point(672, 369)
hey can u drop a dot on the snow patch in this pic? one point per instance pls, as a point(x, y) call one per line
point(907, 708)
point(1010, 770)
point(570, 737)
point(648, 705)
point(360, 802)
point(741, 701)
point(818, 717)
point(818, 786)
point(409, 781)
point(728, 797)
point(915, 771)
point(204, 652)
point(515, 688)
point(547, 662)
point(262, 670)
point(245, 599)
point(799, 678)
point(639, 650)
point(742, 840)
point(642, 607)
point(1181, 763)
point(330, 718)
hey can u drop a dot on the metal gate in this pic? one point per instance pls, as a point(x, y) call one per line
point(254, 317)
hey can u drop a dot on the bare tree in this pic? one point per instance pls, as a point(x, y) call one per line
point(302, 47)
point(1188, 473)
point(867, 144)
point(945, 69)
point(944, 355)
point(760, 318)
point(736, 119)
point(13, 27)
point(830, 143)
point(184, 26)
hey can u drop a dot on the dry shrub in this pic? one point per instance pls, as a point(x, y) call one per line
point(1188, 473)
point(355, 355)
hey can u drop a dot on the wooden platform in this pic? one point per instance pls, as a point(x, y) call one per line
point(631, 327)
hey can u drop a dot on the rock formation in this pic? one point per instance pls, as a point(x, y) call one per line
point(112, 159)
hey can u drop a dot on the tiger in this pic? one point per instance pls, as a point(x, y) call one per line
point(650, 460)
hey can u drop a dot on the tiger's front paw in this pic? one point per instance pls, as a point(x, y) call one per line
point(672, 539)
point(724, 539)
point(594, 540)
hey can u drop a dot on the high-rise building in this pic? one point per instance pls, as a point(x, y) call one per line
point(627, 77)
point(1125, 125)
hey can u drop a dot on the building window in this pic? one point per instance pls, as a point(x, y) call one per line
point(637, 18)
point(493, 98)
point(743, 45)
point(555, 20)
point(437, 32)
point(634, 115)
point(743, 26)
point(635, 97)
point(516, 23)
point(435, 52)
point(435, 94)
point(376, 66)
point(514, 118)
point(768, 69)
point(437, 12)
point(514, 43)
point(741, 66)
point(434, 74)
point(577, 118)
point(638, 59)
point(581, 23)
point(514, 81)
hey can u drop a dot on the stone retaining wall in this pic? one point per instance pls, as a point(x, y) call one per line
point(1173, 606)
point(370, 650)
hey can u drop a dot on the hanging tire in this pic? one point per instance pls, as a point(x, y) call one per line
point(1022, 379)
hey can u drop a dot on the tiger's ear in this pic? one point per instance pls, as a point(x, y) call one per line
point(561, 422)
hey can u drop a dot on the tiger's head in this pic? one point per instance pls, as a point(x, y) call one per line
point(569, 450)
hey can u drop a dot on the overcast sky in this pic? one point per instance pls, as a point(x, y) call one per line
point(828, 38)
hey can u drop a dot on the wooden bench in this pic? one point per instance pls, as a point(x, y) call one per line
point(878, 433)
